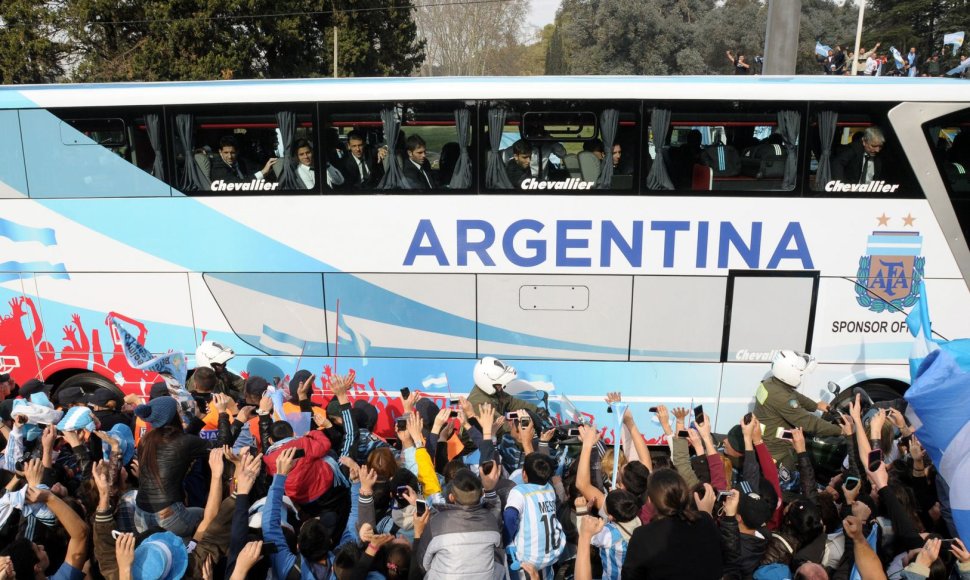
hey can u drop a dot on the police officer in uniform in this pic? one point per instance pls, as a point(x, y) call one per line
point(780, 407)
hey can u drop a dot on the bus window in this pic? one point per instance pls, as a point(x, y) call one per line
point(94, 152)
point(549, 147)
point(767, 311)
point(745, 147)
point(855, 153)
point(949, 138)
point(429, 144)
point(252, 150)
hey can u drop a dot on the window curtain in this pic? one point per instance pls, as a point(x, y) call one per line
point(788, 126)
point(153, 124)
point(827, 122)
point(193, 178)
point(609, 119)
point(495, 176)
point(462, 176)
point(394, 176)
point(288, 177)
point(658, 177)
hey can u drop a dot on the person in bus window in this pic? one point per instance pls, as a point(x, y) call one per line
point(620, 166)
point(305, 171)
point(417, 169)
point(860, 162)
point(362, 169)
point(519, 168)
point(230, 168)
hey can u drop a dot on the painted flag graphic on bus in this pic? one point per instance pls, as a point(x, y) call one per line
point(33, 249)
point(279, 343)
point(439, 381)
point(890, 272)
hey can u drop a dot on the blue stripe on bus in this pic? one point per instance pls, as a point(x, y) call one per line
point(876, 240)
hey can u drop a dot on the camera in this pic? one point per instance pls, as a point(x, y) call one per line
point(759, 59)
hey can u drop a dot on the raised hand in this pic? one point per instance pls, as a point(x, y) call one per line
point(217, 462)
point(248, 556)
point(466, 407)
point(48, 437)
point(352, 467)
point(34, 472)
point(731, 502)
point(100, 473)
point(798, 440)
point(876, 423)
point(305, 389)
point(125, 551)
point(929, 553)
point(368, 477)
point(959, 550)
point(440, 420)
point(286, 460)
point(490, 479)
point(663, 415)
point(704, 428)
point(245, 413)
point(680, 413)
point(847, 424)
point(486, 417)
point(852, 526)
point(855, 408)
point(705, 503)
point(613, 397)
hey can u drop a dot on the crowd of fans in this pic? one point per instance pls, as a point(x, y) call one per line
point(839, 60)
point(225, 482)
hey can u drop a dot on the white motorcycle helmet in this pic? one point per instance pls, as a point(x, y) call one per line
point(789, 366)
point(212, 352)
point(491, 373)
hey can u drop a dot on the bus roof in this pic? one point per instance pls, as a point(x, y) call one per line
point(759, 88)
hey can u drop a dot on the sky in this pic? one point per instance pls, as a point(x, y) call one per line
point(542, 12)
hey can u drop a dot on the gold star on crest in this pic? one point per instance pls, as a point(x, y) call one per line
point(883, 219)
point(908, 220)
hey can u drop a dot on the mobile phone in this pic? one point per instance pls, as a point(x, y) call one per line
point(945, 546)
point(405, 393)
point(299, 453)
point(875, 459)
point(652, 409)
point(401, 424)
point(511, 416)
point(487, 467)
point(454, 402)
point(699, 414)
point(747, 418)
point(572, 432)
point(851, 483)
point(683, 434)
point(269, 548)
point(453, 414)
point(276, 380)
point(787, 435)
point(420, 507)
point(401, 490)
point(609, 408)
point(524, 423)
point(723, 494)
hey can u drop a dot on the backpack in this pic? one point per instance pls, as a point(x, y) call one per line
point(724, 160)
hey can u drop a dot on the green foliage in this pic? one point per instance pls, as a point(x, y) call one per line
point(29, 49)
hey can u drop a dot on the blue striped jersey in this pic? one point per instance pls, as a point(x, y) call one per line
point(540, 539)
point(612, 543)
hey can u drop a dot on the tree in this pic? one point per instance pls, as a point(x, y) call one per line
point(467, 39)
point(210, 39)
point(555, 55)
point(30, 49)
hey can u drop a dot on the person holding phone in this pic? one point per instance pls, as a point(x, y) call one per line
point(491, 377)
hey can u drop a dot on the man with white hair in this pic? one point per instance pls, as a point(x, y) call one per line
point(860, 162)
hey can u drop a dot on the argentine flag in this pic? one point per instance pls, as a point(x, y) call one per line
point(821, 49)
point(35, 248)
point(439, 381)
point(955, 39)
point(918, 321)
point(898, 57)
point(349, 337)
point(938, 409)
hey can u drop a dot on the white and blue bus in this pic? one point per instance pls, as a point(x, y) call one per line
point(660, 237)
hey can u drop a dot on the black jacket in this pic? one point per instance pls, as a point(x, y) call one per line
point(414, 179)
point(847, 164)
point(348, 166)
point(742, 552)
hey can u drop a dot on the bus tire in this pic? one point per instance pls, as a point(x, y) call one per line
point(91, 382)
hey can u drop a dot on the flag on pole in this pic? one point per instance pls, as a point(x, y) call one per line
point(918, 321)
point(353, 338)
point(955, 39)
point(821, 49)
point(898, 57)
point(139, 357)
point(618, 412)
point(959, 68)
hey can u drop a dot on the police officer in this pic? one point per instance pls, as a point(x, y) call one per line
point(780, 407)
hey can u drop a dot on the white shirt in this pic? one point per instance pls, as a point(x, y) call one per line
point(307, 175)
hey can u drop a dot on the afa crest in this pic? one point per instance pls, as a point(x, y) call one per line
point(890, 271)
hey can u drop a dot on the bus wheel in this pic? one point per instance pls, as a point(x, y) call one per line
point(91, 382)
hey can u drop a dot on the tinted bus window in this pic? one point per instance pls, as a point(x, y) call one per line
point(429, 145)
point(560, 146)
point(855, 153)
point(94, 152)
point(949, 138)
point(722, 147)
point(256, 150)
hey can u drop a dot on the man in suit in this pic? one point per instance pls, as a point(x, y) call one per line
point(361, 169)
point(860, 162)
point(519, 167)
point(230, 169)
point(417, 169)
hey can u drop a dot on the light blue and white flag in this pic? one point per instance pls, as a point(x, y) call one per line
point(918, 321)
point(939, 412)
point(872, 539)
point(959, 68)
point(34, 248)
point(821, 49)
point(439, 381)
point(955, 39)
point(898, 57)
point(139, 357)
